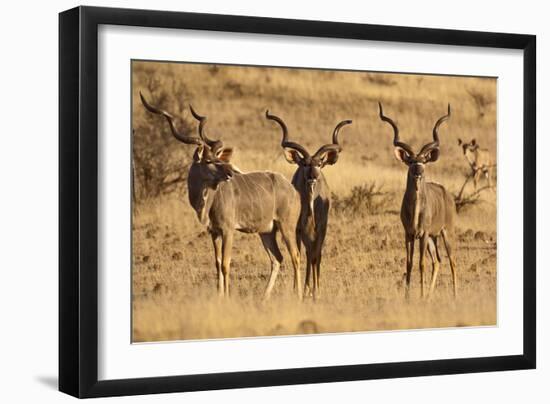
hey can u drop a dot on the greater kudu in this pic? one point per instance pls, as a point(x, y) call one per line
point(226, 200)
point(315, 197)
point(428, 209)
point(479, 160)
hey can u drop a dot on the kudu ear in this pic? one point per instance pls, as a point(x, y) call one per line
point(225, 154)
point(329, 157)
point(459, 141)
point(292, 155)
point(197, 156)
point(402, 155)
point(431, 155)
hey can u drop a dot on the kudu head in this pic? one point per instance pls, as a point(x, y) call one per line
point(211, 160)
point(468, 147)
point(310, 164)
point(429, 153)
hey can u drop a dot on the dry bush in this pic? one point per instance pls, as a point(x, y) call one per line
point(379, 79)
point(362, 199)
point(463, 201)
point(158, 164)
point(466, 200)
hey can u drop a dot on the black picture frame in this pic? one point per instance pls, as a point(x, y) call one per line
point(78, 201)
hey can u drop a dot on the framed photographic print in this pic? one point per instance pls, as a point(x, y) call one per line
point(251, 201)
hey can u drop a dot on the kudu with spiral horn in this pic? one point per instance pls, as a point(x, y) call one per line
point(226, 200)
point(480, 161)
point(315, 197)
point(428, 209)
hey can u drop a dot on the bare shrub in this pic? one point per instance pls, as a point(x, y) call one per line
point(378, 79)
point(363, 199)
point(159, 165)
point(235, 88)
point(466, 201)
point(463, 200)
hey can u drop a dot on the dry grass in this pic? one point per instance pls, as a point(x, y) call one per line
point(174, 279)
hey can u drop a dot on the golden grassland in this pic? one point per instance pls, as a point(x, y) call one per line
point(362, 276)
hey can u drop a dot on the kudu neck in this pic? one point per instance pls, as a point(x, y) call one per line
point(201, 194)
point(308, 196)
point(416, 189)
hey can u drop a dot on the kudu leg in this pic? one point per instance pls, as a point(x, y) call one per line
point(448, 248)
point(269, 241)
point(313, 286)
point(422, 246)
point(476, 178)
point(299, 241)
point(409, 245)
point(318, 253)
point(434, 254)
point(217, 241)
point(290, 242)
point(312, 281)
point(316, 271)
point(227, 245)
point(318, 277)
point(308, 289)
